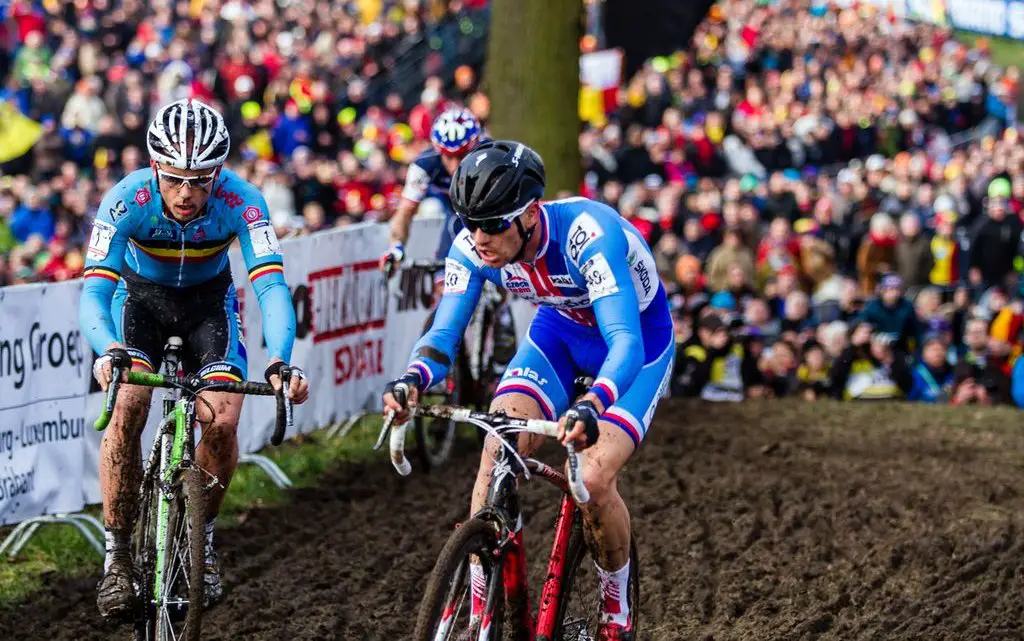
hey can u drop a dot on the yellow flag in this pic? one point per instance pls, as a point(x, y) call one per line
point(591, 106)
point(18, 133)
point(370, 9)
point(260, 144)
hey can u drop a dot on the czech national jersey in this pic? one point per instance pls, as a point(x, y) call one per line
point(603, 313)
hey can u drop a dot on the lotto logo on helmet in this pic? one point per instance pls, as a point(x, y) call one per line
point(584, 230)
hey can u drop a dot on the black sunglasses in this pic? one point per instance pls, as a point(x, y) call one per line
point(489, 226)
point(494, 226)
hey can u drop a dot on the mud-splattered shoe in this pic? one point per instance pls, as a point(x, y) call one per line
point(613, 632)
point(213, 591)
point(115, 594)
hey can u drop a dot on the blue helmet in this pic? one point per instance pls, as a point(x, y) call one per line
point(456, 131)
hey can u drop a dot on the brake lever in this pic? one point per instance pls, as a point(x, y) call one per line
point(400, 393)
point(576, 485)
point(108, 404)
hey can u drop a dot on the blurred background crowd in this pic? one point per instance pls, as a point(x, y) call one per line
point(834, 195)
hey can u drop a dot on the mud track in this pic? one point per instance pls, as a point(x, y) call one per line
point(757, 521)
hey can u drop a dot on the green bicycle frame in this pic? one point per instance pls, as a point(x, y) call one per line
point(170, 462)
point(134, 378)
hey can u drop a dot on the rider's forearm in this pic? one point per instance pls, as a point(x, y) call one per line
point(278, 315)
point(94, 314)
point(401, 221)
point(621, 366)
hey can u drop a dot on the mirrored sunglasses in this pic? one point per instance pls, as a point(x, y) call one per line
point(203, 181)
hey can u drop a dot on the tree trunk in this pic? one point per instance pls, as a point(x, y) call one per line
point(533, 82)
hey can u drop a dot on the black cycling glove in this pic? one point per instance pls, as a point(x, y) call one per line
point(412, 379)
point(586, 412)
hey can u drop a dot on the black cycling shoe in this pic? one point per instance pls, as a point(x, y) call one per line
point(115, 594)
point(213, 590)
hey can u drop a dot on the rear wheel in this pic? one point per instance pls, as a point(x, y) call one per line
point(444, 613)
point(577, 614)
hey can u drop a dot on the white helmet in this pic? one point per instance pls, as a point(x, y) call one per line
point(184, 120)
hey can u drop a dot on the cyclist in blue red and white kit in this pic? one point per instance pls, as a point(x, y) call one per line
point(603, 312)
point(455, 133)
point(157, 266)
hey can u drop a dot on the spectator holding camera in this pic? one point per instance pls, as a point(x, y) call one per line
point(871, 367)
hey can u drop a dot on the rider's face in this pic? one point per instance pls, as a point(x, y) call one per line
point(451, 163)
point(184, 199)
point(498, 250)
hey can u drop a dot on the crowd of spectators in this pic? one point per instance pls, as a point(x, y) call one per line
point(326, 102)
point(834, 195)
point(834, 198)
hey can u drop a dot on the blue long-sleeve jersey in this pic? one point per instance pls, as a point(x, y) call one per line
point(592, 266)
point(131, 230)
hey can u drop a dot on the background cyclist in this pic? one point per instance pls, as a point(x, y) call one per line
point(455, 133)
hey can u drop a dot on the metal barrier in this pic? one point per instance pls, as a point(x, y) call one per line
point(24, 531)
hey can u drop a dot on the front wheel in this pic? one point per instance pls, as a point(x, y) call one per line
point(577, 615)
point(169, 551)
point(444, 613)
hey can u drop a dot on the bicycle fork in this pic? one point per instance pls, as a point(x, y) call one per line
point(517, 593)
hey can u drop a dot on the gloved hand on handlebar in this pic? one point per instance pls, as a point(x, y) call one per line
point(397, 402)
point(103, 367)
point(392, 258)
point(298, 386)
point(579, 425)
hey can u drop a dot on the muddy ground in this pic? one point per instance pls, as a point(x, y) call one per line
point(754, 521)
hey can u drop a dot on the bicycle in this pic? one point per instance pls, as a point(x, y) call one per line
point(471, 375)
point(168, 539)
point(494, 536)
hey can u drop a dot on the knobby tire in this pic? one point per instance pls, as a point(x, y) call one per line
point(195, 510)
point(478, 537)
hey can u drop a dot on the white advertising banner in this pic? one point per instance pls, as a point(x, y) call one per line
point(354, 332)
point(44, 375)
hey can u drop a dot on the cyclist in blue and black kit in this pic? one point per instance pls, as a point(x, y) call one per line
point(455, 133)
point(157, 266)
point(603, 313)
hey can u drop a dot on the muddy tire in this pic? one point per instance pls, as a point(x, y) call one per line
point(446, 602)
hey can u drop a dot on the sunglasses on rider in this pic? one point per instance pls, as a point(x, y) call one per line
point(202, 181)
point(494, 226)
